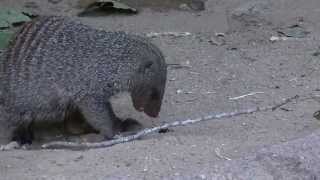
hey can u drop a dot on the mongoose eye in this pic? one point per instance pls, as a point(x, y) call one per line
point(145, 66)
point(148, 64)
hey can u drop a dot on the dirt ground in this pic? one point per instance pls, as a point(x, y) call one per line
point(232, 50)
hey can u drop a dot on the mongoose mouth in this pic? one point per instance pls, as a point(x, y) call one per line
point(152, 114)
point(152, 108)
point(141, 109)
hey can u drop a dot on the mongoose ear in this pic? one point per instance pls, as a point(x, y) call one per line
point(146, 65)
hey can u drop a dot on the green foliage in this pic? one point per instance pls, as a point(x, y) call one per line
point(5, 37)
point(9, 17)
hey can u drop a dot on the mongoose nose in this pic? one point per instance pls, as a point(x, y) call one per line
point(154, 114)
point(152, 110)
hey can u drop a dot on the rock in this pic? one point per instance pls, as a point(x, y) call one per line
point(254, 13)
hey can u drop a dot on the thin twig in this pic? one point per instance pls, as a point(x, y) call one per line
point(243, 96)
point(174, 34)
point(218, 153)
point(78, 146)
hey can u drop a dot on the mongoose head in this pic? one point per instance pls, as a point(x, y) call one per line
point(149, 84)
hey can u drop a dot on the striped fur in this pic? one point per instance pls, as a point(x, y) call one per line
point(28, 40)
point(55, 67)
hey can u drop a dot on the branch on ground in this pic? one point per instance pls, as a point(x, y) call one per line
point(145, 132)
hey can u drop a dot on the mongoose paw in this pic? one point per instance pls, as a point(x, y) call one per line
point(24, 138)
point(130, 126)
point(10, 146)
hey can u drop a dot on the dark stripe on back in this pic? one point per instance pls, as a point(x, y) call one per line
point(40, 26)
point(54, 30)
point(23, 40)
point(7, 69)
point(21, 48)
point(48, 29)
point(18, 41)
point(11, 53)
point(31, 38)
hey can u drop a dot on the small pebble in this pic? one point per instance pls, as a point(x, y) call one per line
point(184, 7)
point(54, 1)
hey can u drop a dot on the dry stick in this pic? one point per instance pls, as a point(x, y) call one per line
point(78, 146)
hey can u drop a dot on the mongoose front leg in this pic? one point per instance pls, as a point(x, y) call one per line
point(130, 127)
point(99, 115)
point(22, 131)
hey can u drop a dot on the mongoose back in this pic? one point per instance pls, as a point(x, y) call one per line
point(56, 66)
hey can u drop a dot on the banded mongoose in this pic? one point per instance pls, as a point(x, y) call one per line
point(56, 66)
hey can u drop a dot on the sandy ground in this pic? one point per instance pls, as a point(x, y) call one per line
point(217, 68)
